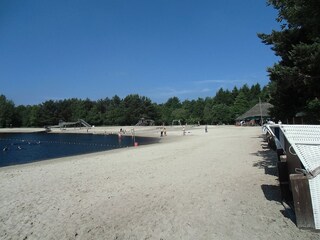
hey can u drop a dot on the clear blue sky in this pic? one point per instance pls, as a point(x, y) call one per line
point(155, 48)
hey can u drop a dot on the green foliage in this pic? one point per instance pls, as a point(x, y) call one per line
point(137, 107)
point(241, 104)
point(194, 111)
point(313, 111)
point(221, 113)
point(6, 112)
point(224, 97)
point(207, 111)
point(295, 78)
point(167, 110)
point(223, 108)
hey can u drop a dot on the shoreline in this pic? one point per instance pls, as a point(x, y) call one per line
point(150, 133)
point(144, 131)
point(21, 130)
point(216, 185)
point(68, 158)
point(152, 140)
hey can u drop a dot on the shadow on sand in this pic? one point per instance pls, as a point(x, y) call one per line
point(269, 159)
point(268, 162)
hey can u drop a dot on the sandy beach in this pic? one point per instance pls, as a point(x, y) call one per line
point(216, 185)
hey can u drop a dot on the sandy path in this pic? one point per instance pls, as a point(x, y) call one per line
point(219, 185)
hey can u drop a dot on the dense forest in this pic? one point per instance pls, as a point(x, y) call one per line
point(223, 108)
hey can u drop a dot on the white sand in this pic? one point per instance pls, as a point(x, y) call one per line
point(211, 185)
point(21, 130)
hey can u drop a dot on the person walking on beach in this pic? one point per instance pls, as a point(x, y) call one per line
point(184, 130)
point(206, 128)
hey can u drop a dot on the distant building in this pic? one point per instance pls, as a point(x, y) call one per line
point(145, 122)
point(253, 116)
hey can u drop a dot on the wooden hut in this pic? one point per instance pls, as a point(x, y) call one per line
point(253, 116)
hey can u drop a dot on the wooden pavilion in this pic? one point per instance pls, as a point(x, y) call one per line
point(254, 116)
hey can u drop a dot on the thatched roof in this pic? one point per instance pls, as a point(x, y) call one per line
point(255, 111)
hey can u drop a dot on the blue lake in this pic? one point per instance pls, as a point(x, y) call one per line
point(20, 148)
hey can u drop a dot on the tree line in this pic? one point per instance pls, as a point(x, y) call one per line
point(223, 108)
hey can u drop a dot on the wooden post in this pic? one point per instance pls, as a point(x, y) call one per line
point(302, 201)
point(284, 181)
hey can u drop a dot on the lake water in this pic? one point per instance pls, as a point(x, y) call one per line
point(31, 147)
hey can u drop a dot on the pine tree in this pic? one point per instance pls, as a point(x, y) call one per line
point(296, 76)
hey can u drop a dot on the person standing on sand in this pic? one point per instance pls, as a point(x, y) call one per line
point(165, 131)
point(184, 130)
point(206, 128)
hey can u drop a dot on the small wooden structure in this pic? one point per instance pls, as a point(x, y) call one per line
point(178, 121)
point(256, 114)
point(298, 148)
point(62, 124)
point(145, 122)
